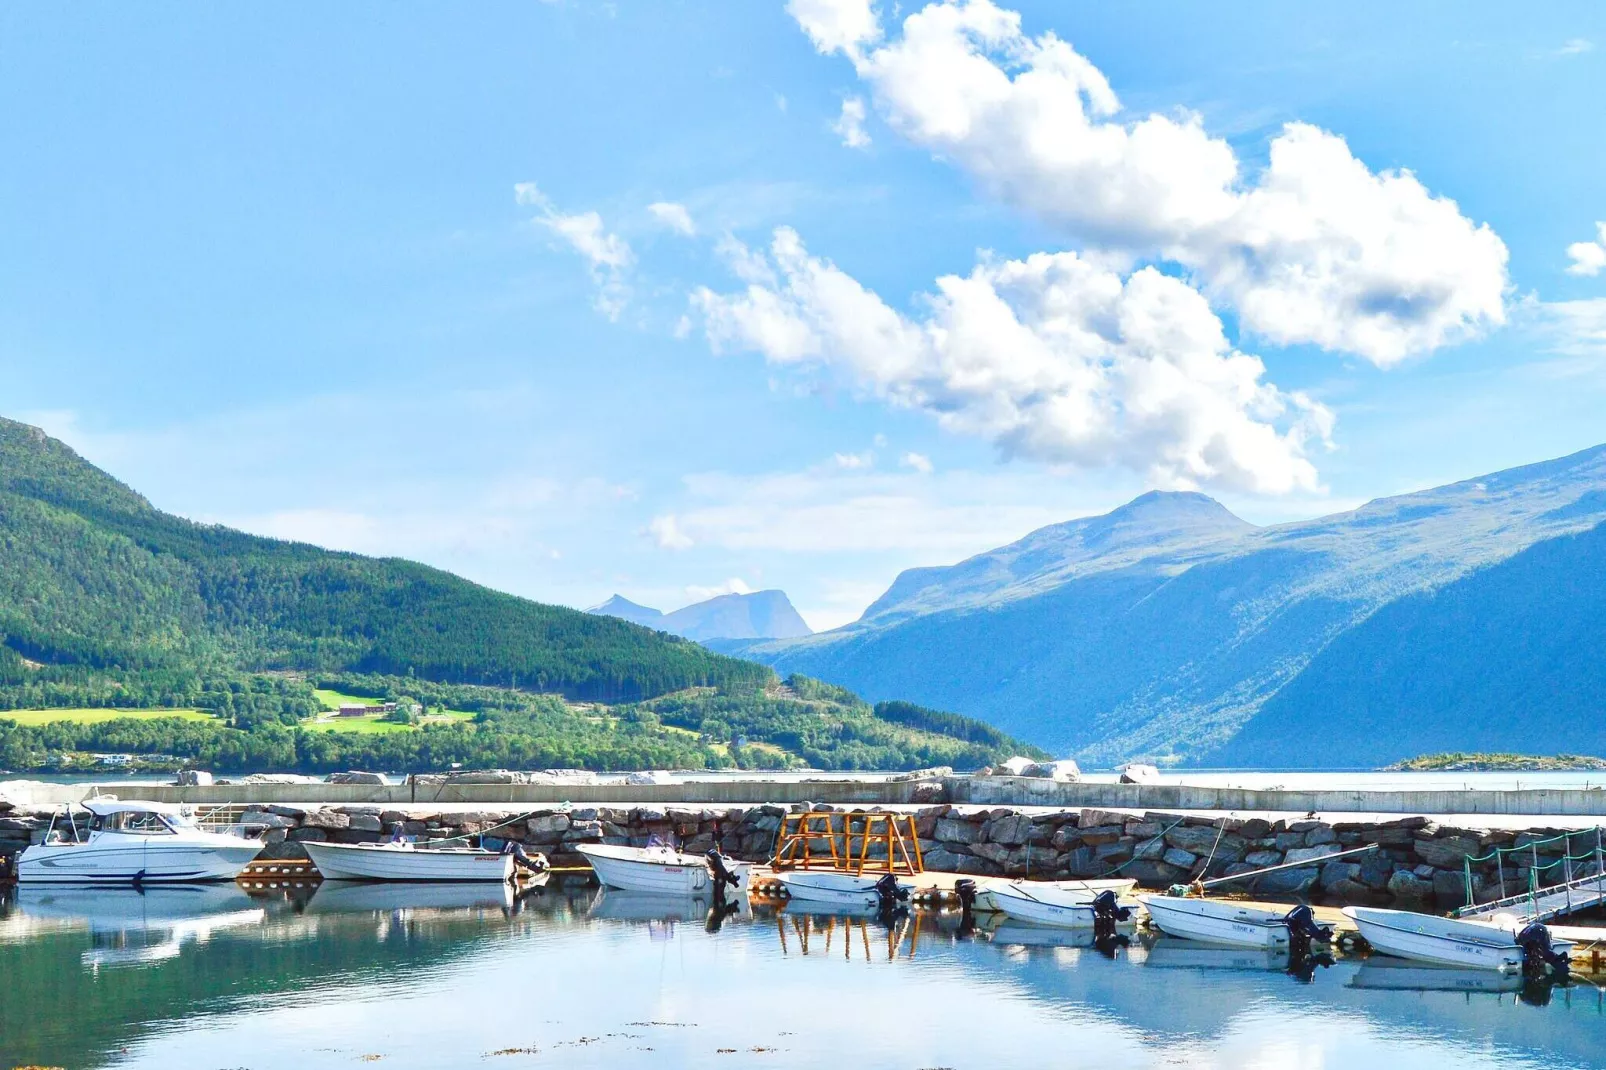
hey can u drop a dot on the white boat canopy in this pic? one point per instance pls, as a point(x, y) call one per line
point(107, 807)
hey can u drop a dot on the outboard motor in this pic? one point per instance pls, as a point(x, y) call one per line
point(965, 889)
point(1106, 915)
point(890, 898)
point(1538, 956)
point(1303, 930)
point(723, 877)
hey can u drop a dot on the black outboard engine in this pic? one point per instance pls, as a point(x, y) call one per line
point(890, 898)
point(965, 889)
point(1303, 931)
point(723, 877)
point(1538, 956)
point(1106, 915)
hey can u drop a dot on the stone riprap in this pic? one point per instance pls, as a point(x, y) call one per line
point(1418, 863)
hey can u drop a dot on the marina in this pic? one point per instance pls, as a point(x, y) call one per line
point(425, 976)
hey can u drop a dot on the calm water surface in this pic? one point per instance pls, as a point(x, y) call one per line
point(418, 976)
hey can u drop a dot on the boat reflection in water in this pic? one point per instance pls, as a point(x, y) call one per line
point(1169, 952)
point(1382, 972)
point(344, 897)
point(132, 926)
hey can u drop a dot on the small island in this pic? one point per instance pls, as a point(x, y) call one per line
point(1457, 762)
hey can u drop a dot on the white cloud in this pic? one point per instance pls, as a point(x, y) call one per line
point(1576, 47)
point(674, 216)
point(849, 126)
point(837, 25)
point(917, 461)
point(1575, 328)
point(1588, 257)
point(734, 585)
point(666, 531)
point(855, 460)
point(609, 255)
point(1316, 248)
point(1053, 358)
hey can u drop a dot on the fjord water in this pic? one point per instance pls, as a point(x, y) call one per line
point(451, 976)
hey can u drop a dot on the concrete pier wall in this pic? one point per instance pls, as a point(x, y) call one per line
point(982, 791)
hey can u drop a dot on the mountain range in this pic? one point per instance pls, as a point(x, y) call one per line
point(756, 615)
point(1466, 617)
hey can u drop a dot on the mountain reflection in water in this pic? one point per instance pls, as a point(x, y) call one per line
point(454, 975)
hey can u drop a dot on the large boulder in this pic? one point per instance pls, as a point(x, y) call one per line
point(356, 776)
point(1154, 874)
point(1197, 839)
point(1014, 830)
point(950, 830)
point(325, 819)
point(1449, 889)
point(1287, 881)
point(1447, 852)
point(193, 778)
point(1064, 770)
point(1015, 766)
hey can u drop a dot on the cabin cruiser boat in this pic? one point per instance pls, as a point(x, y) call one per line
point(133, 843)
point(401, 861)
point(1487, 945)
point(986, 902)
point(662, 870)
point(1219, 921)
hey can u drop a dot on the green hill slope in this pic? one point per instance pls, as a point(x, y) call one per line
point(93, 577)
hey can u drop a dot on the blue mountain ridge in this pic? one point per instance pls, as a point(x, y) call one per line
point(1171, 629)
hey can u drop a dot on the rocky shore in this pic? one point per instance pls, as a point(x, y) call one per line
point(1418, 864)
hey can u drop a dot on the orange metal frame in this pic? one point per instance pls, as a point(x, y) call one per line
point(847, 839)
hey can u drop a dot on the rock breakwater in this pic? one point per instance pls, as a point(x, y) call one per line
point(1418, 863)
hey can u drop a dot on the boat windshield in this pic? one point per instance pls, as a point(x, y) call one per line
point(142, 822)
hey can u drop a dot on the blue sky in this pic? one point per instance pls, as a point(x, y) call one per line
point(273, 268)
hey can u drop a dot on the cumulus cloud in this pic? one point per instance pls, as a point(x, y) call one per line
point(1316, 248)
point(674, 216)
point(917, 461)
point(1576, 47)
point(1053, 358)
point(666, 532)
point(1588, 257)
point(849, 126)
point(837, 25)
point(608, 255)
point(855, 460)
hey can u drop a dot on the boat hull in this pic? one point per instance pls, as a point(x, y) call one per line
point(1215, 921)
point(387, 862)
point(1449, 941)
point(986, 901)
point(127, 860)
point(824, 887)
point(660, 871)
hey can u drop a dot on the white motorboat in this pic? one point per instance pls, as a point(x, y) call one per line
point(1485, 945)
point(405, 862)
point(833, 887)
point(1120, 886)
point(1040, 903)
point(133, 843)
point(662, 870)
point(1218, 921)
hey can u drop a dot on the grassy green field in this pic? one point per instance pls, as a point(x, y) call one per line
point(97, 716)
point(369, 724)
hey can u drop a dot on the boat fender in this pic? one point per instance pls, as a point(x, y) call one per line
point(1537, 952)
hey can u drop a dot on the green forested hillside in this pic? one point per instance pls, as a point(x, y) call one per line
point(92, 578)
point(108, 602)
